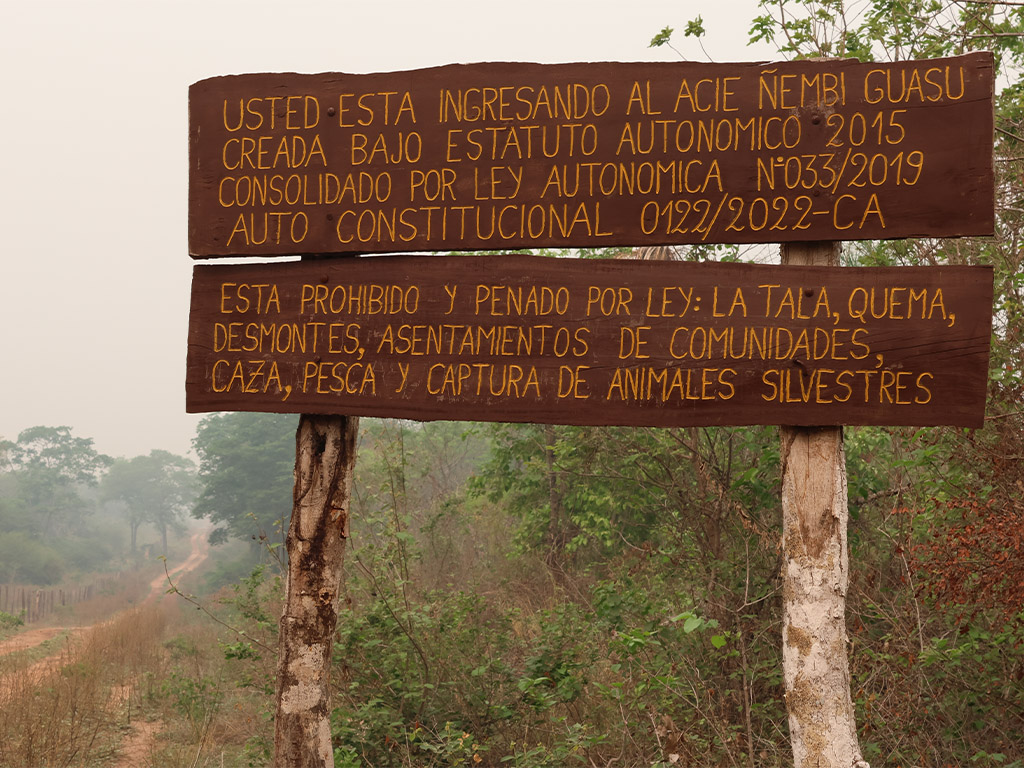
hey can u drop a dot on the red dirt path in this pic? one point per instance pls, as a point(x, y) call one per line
point(136, 747)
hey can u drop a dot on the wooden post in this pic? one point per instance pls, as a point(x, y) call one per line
point(324, 459)
point(815, 578)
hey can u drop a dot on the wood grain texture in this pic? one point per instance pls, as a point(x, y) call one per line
point(508, 155)
point(325, 455)
point(815, 578)
point(570, 341)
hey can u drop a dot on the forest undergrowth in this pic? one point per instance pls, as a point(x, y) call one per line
point(619, 606)
point(79, 698)
point(468, 649)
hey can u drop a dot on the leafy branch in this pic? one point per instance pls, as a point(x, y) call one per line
point(694, 28)
point(173, 589)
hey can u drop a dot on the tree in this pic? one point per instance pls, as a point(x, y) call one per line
point(948, 564)
point(915, 29)
point(325, 448)
point(124, 487)
point(158, 489)
point(56, 450)
point(246, 465)
point(51, 466)
point(572, 488)
point(45, 483)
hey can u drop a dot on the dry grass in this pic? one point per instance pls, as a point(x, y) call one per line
point(79, 706)
point(54, 714)
point(82, 705)
point(214, 714)
point(131, 590)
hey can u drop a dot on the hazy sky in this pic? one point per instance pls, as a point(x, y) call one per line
point(94, 292)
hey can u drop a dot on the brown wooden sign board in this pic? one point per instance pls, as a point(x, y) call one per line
point(503, 156)
point(601, 342)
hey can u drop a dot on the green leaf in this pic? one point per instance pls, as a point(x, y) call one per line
point(694, 28)
point(718, 641)
point(661, 38)
point(692, 623)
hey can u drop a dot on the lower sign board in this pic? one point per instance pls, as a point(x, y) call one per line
point(599, 342)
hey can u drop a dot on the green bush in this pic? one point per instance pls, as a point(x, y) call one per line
point(24, 560)
point(9, 621)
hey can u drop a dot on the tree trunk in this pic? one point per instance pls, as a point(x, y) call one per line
point(325, 457)
point(815, 579)
point(556, 538)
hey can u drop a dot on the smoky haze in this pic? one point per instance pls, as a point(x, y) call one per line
point(95, 291)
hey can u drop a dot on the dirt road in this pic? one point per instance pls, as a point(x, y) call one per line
point(32, 637)
point(138, 744)
point(200, 551)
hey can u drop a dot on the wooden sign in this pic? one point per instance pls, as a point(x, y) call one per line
point(568, 341)
point(500, 156)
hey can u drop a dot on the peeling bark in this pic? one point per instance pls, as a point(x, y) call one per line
point(815, 580)
point(324, 459)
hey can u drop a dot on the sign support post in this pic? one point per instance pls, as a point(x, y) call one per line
point(325, 454)
point(815, 577)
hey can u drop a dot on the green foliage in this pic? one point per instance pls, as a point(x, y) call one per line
point(239, 650)
point(9, 621)
point(158, 489)
point(890, 29)
point(661, 648)
point(430, 683)
point(451, 746)
point(576, 679)
point(196, 698)
point(49, 522)
point(556, 670)
point(251, 613)
point(54, 451)
point(662, 38)
point(433, 679)
point(232, 564)
point(191, 691)
point(573, 745)
point(955, 696)
point(246, 461)
point(48, 475)
point(25, 560)
point(694, 28)
point(553, 480)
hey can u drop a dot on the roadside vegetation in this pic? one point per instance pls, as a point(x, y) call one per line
point(638, 626)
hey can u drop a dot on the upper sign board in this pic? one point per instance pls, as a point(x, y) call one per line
point(500, 155)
